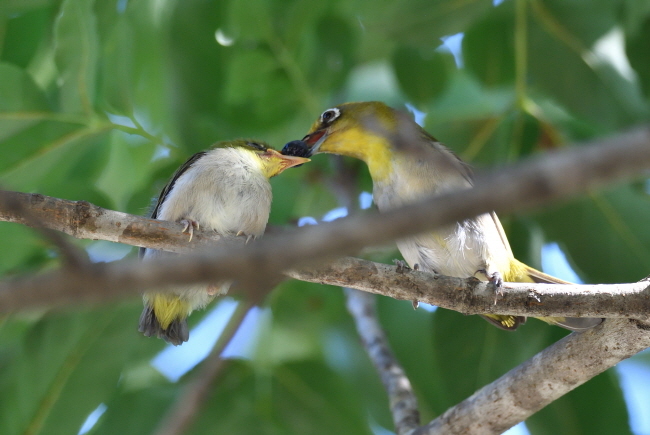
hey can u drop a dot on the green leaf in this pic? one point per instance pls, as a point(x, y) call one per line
point(65, 366)
point(19, 91)
point(333, 53)
point(636, 49)
point(136, 412)
point(24, 35)
point(250, 20)
point(116, 90)
point(128, 169)
point(21, 102)
point(465, 100)
point(295, 398)
point(634, 14)
point(18, 6)
point(62, 167)
point(613, 224)
point(422, 22)
point(586, 21)
point(21, 247)
point(488, 47)
point(586, 84)
point(422, 73)
point(76, 55)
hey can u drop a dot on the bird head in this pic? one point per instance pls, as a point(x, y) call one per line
point(272, 163)
point(352, 129)
point(369, 131)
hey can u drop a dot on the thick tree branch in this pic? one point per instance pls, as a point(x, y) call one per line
point(471, 296)
point(545, 377)
point(467, 295)
point(518, 394)
point(84, 220)
point(15, 205)
point(522, 186)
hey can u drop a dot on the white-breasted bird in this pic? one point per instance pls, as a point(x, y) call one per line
point(225, 189)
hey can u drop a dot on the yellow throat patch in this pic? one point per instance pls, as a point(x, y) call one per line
point(373, 149)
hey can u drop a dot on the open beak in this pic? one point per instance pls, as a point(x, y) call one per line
point(286, 162)
point(314, 140)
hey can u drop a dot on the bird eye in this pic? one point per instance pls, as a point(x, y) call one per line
point(329, 115)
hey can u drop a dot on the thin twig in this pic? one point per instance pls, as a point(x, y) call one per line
point(403, 403)
point(185, 410)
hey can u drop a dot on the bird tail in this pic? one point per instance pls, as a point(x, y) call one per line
point(577, 324)
point(165, 316)
point(509, 323)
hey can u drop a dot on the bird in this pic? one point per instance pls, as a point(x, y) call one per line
point(408, 164)
point(225, 189)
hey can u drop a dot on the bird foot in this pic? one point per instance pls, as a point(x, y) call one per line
point(248, 237)
point(401, 266)
point(189, 226)
point(496, 279)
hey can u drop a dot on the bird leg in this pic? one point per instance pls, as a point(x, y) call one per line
point(415, 302)
point(496, 279)
point(402, 267)
point(189, 226)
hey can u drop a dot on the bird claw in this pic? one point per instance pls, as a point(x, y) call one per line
point(248, 237)
point(189, 226)
point(401, 266)
point(496, 279)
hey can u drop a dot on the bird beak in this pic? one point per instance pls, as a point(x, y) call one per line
point(315, 139)
point(286, 162)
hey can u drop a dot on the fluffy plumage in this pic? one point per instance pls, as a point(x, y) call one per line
point(225, 189)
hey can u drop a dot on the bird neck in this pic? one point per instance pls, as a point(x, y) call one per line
point(375, 150)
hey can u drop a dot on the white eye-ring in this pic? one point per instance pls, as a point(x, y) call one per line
point(330, 115)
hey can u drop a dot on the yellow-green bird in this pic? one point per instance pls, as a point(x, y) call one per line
point(225, 189)
point(408, 164)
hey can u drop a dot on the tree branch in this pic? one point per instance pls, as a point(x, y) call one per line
point(471, 296)
point(530, 183)
point(545, 377)
point(83, 220)
point(516, 396)
point(403, 403)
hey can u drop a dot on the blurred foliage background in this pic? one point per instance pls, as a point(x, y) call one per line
point(102, 100)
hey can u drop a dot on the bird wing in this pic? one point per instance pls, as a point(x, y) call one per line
point(543, 278)
point(502, 233)
point(169, 186)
